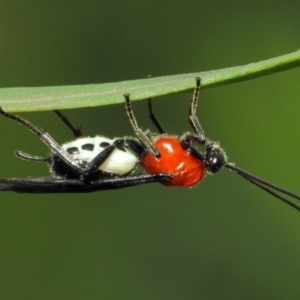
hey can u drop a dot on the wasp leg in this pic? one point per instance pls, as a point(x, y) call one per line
point(193, 109)
point(76, 131)
point(49, 141)
point(145, 140)
point(154, 118)
point(27, 156)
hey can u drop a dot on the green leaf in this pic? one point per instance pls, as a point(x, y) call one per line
point(76, 96)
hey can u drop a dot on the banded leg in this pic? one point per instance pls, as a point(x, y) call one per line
point(193, 109)
point(145, 140)
point(77, 133)
point(52, 144)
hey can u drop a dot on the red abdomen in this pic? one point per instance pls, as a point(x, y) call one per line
point(183, 168)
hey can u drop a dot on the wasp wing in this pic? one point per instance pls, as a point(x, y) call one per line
point(61, 185)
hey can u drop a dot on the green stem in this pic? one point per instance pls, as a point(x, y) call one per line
point(76, 96)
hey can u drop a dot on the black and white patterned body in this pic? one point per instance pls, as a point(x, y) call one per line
point(83, 165)
point(120, 157)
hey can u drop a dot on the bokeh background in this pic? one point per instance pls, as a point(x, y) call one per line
point(223, 239)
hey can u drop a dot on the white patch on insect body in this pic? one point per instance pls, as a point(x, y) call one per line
point(86, 149)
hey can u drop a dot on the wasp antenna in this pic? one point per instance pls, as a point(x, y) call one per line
point(274, 194)
point(265, 185)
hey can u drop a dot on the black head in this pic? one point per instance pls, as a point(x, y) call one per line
point(215, 157)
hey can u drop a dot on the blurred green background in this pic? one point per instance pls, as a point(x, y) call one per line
point(223, 239)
